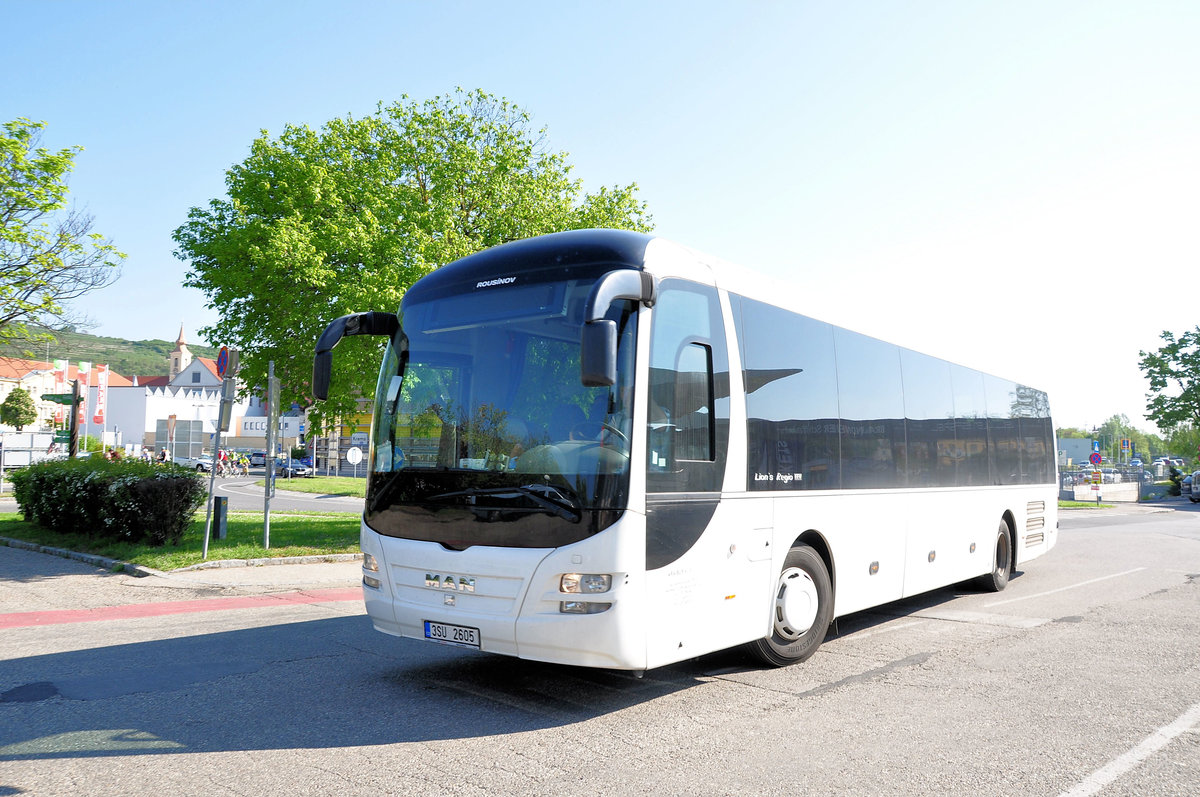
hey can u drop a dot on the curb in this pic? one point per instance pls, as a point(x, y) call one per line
point(141, 571)
point(103, 562)
point(266, 561)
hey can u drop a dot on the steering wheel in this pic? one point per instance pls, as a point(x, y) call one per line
point(587, 431)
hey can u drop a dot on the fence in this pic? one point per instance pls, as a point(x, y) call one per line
point(1116, 485)
point(18, 449)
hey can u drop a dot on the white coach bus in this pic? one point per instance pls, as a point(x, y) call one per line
point(600, 448)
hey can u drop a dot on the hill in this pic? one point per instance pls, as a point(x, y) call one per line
point(126, 357)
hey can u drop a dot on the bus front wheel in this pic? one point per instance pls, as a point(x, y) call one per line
point(801, 612)
point(1002, 562)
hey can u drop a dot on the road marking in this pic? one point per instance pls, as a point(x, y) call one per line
point(1062, 589)
point(1124, 763)
point(136, 610)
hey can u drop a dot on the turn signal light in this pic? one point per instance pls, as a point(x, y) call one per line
point(582, 607)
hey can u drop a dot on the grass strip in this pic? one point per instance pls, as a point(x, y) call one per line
point(291, 535)
point(322, 485)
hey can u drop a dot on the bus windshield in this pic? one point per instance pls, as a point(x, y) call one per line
point(483, 433)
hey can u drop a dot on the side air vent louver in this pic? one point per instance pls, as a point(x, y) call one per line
point(1035, 521)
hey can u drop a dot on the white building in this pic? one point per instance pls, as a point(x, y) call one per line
point(180, 410)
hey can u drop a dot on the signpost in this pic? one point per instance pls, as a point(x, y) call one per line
point(228, 391)
point(71, 434)
point(354, 456)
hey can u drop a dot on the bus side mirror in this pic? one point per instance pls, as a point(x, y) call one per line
point(322, 370)
point(598, 338)
point(386, 324)
point(598, 353)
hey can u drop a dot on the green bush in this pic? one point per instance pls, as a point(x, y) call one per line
point(126, 499)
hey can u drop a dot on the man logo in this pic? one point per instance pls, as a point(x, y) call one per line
point(457, 583)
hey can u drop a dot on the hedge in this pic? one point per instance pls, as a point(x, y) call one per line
point(123, 499)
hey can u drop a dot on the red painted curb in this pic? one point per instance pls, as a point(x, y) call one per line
point(136, 610)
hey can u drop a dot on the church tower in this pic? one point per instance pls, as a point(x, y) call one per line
point(180, 356)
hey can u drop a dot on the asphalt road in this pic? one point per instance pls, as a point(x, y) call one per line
point(1081, 678)
point(245, 495)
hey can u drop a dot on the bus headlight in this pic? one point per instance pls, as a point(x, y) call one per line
point(585, 583)
point(582, 607)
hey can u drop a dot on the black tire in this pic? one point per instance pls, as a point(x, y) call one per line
point(802, 610)
point(1002, 562)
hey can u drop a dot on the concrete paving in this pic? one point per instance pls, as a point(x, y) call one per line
point(255, 575)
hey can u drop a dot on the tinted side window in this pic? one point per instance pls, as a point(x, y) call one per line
point(871, 398)
point(929, 410)
point(791, 398)
point(970, 428)
point(688, 421)
point(1038, 451)
point(1004, 438)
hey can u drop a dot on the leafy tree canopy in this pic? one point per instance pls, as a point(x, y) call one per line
point(18, 409)
point(318, 224)
point(1174, 375)
point(48, 255)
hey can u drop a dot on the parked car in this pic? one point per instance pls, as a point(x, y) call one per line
point(1191, 491)
point(1185, 487)
point(202, 463)
point(293, 469)
point(258, 458)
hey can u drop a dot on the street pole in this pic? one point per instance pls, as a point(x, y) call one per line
point(227, 391)
point(269, 459)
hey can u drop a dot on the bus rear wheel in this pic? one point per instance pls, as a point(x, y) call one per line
point(1002, 562)
point(802, 610)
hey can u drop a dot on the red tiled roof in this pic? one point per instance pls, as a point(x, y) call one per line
point(15, 368)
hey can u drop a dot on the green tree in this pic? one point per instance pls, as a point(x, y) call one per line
point(318, 224)
point(1174, 374)
point(18, 409)
point(1184, 440)
point(48, 256)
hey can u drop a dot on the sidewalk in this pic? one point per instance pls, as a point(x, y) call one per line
point(291, 572)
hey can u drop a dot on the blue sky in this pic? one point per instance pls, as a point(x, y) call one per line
point(1013, 186)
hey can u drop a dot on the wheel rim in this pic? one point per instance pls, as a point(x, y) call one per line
point(796, 604)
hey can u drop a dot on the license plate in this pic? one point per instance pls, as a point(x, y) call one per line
point(452, 634)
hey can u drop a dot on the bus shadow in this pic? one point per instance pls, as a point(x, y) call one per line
point(869, 619)
point(307, 685)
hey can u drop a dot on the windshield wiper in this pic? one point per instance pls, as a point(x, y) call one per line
point(546, 497)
